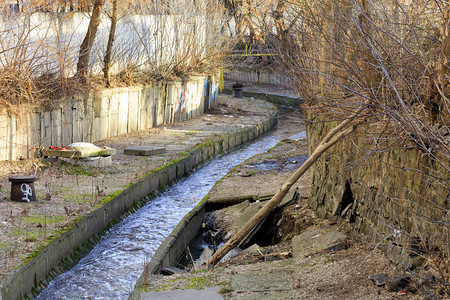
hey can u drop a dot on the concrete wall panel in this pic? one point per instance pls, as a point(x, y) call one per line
point(20, 283)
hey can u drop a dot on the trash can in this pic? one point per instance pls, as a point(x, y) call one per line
point(237, 90)
point(22, 188)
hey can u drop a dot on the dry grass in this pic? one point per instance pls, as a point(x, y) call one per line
point(155, 40)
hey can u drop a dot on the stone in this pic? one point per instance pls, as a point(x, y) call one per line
point(144, 150)
point(317, 240)
point(254, 250)
point(379, 279)
point(204, 256)
point(233, 253)
point(263, 281)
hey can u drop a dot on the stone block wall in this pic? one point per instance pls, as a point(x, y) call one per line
point(398, 199)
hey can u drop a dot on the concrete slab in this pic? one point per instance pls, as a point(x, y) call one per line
point(96, 162)
point(317, 240)
point(266, 296)
point(266, 279)
point(81, 150)
point(205, 294)
point(144, 150)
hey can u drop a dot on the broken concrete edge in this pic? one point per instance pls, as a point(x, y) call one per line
point(291, 101)
point(171, 250)
point(144, 150)
point(81, 153)
point(48, 261)
point(173, 247)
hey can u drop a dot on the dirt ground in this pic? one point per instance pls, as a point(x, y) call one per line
point(66, 192)
point(275, 271)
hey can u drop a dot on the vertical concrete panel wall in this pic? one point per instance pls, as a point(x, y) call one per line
point(260, 76)
point(17, 284)
point(102, 114)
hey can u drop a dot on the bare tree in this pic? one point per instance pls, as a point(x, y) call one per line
point(86, 45)
point(112, 33)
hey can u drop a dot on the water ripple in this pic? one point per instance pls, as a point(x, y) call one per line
point(112, 268)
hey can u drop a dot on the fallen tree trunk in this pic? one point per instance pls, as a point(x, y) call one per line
point(242, 233)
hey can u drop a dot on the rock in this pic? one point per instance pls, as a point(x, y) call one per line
point(260, 278)
point(398, 283)
point(316, 240)
point(206, 254)
point(254, 250)
point(379, 279)
point(236, 251)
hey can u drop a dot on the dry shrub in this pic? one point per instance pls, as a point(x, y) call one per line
point(17, 88)
point(390, 53)
point(160, 39)
point(391, 57)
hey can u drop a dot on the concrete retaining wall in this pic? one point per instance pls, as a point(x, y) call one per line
point(388, 203)
point(102, 114)
point(174, 246)
point(35, 272)
point(51, 41)
point(259, 76)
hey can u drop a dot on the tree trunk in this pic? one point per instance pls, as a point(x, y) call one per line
point(86, 45)
point(324, 59)
point(112, 33)
point(242, 233)
point(278, 16)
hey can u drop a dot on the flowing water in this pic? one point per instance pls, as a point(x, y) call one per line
point(112, 268)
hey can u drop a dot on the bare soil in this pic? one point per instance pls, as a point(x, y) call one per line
point(271, 272)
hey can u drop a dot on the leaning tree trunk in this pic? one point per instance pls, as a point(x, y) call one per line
point(112, 33)
point(332, 138)
point(86, 45)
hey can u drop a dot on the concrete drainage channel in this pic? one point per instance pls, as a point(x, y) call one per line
point(65, 250)
point(113, 266)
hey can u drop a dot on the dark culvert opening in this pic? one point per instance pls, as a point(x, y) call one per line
point(346, 209)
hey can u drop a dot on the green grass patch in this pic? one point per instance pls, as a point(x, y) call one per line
point(78, 198)
point(75, 169)
point(31, 238)
point(198, 283)
point(42, 219)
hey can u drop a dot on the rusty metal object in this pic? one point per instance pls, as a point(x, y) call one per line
point(22, 188)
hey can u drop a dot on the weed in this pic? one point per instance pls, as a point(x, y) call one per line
point(328, 259)
point(75, 169)
point(31, 238)
point(198, 283)
point(42, 219)
point(225, 290)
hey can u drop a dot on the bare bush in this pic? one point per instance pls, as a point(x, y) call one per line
point(391, 56)
point(40, 46)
